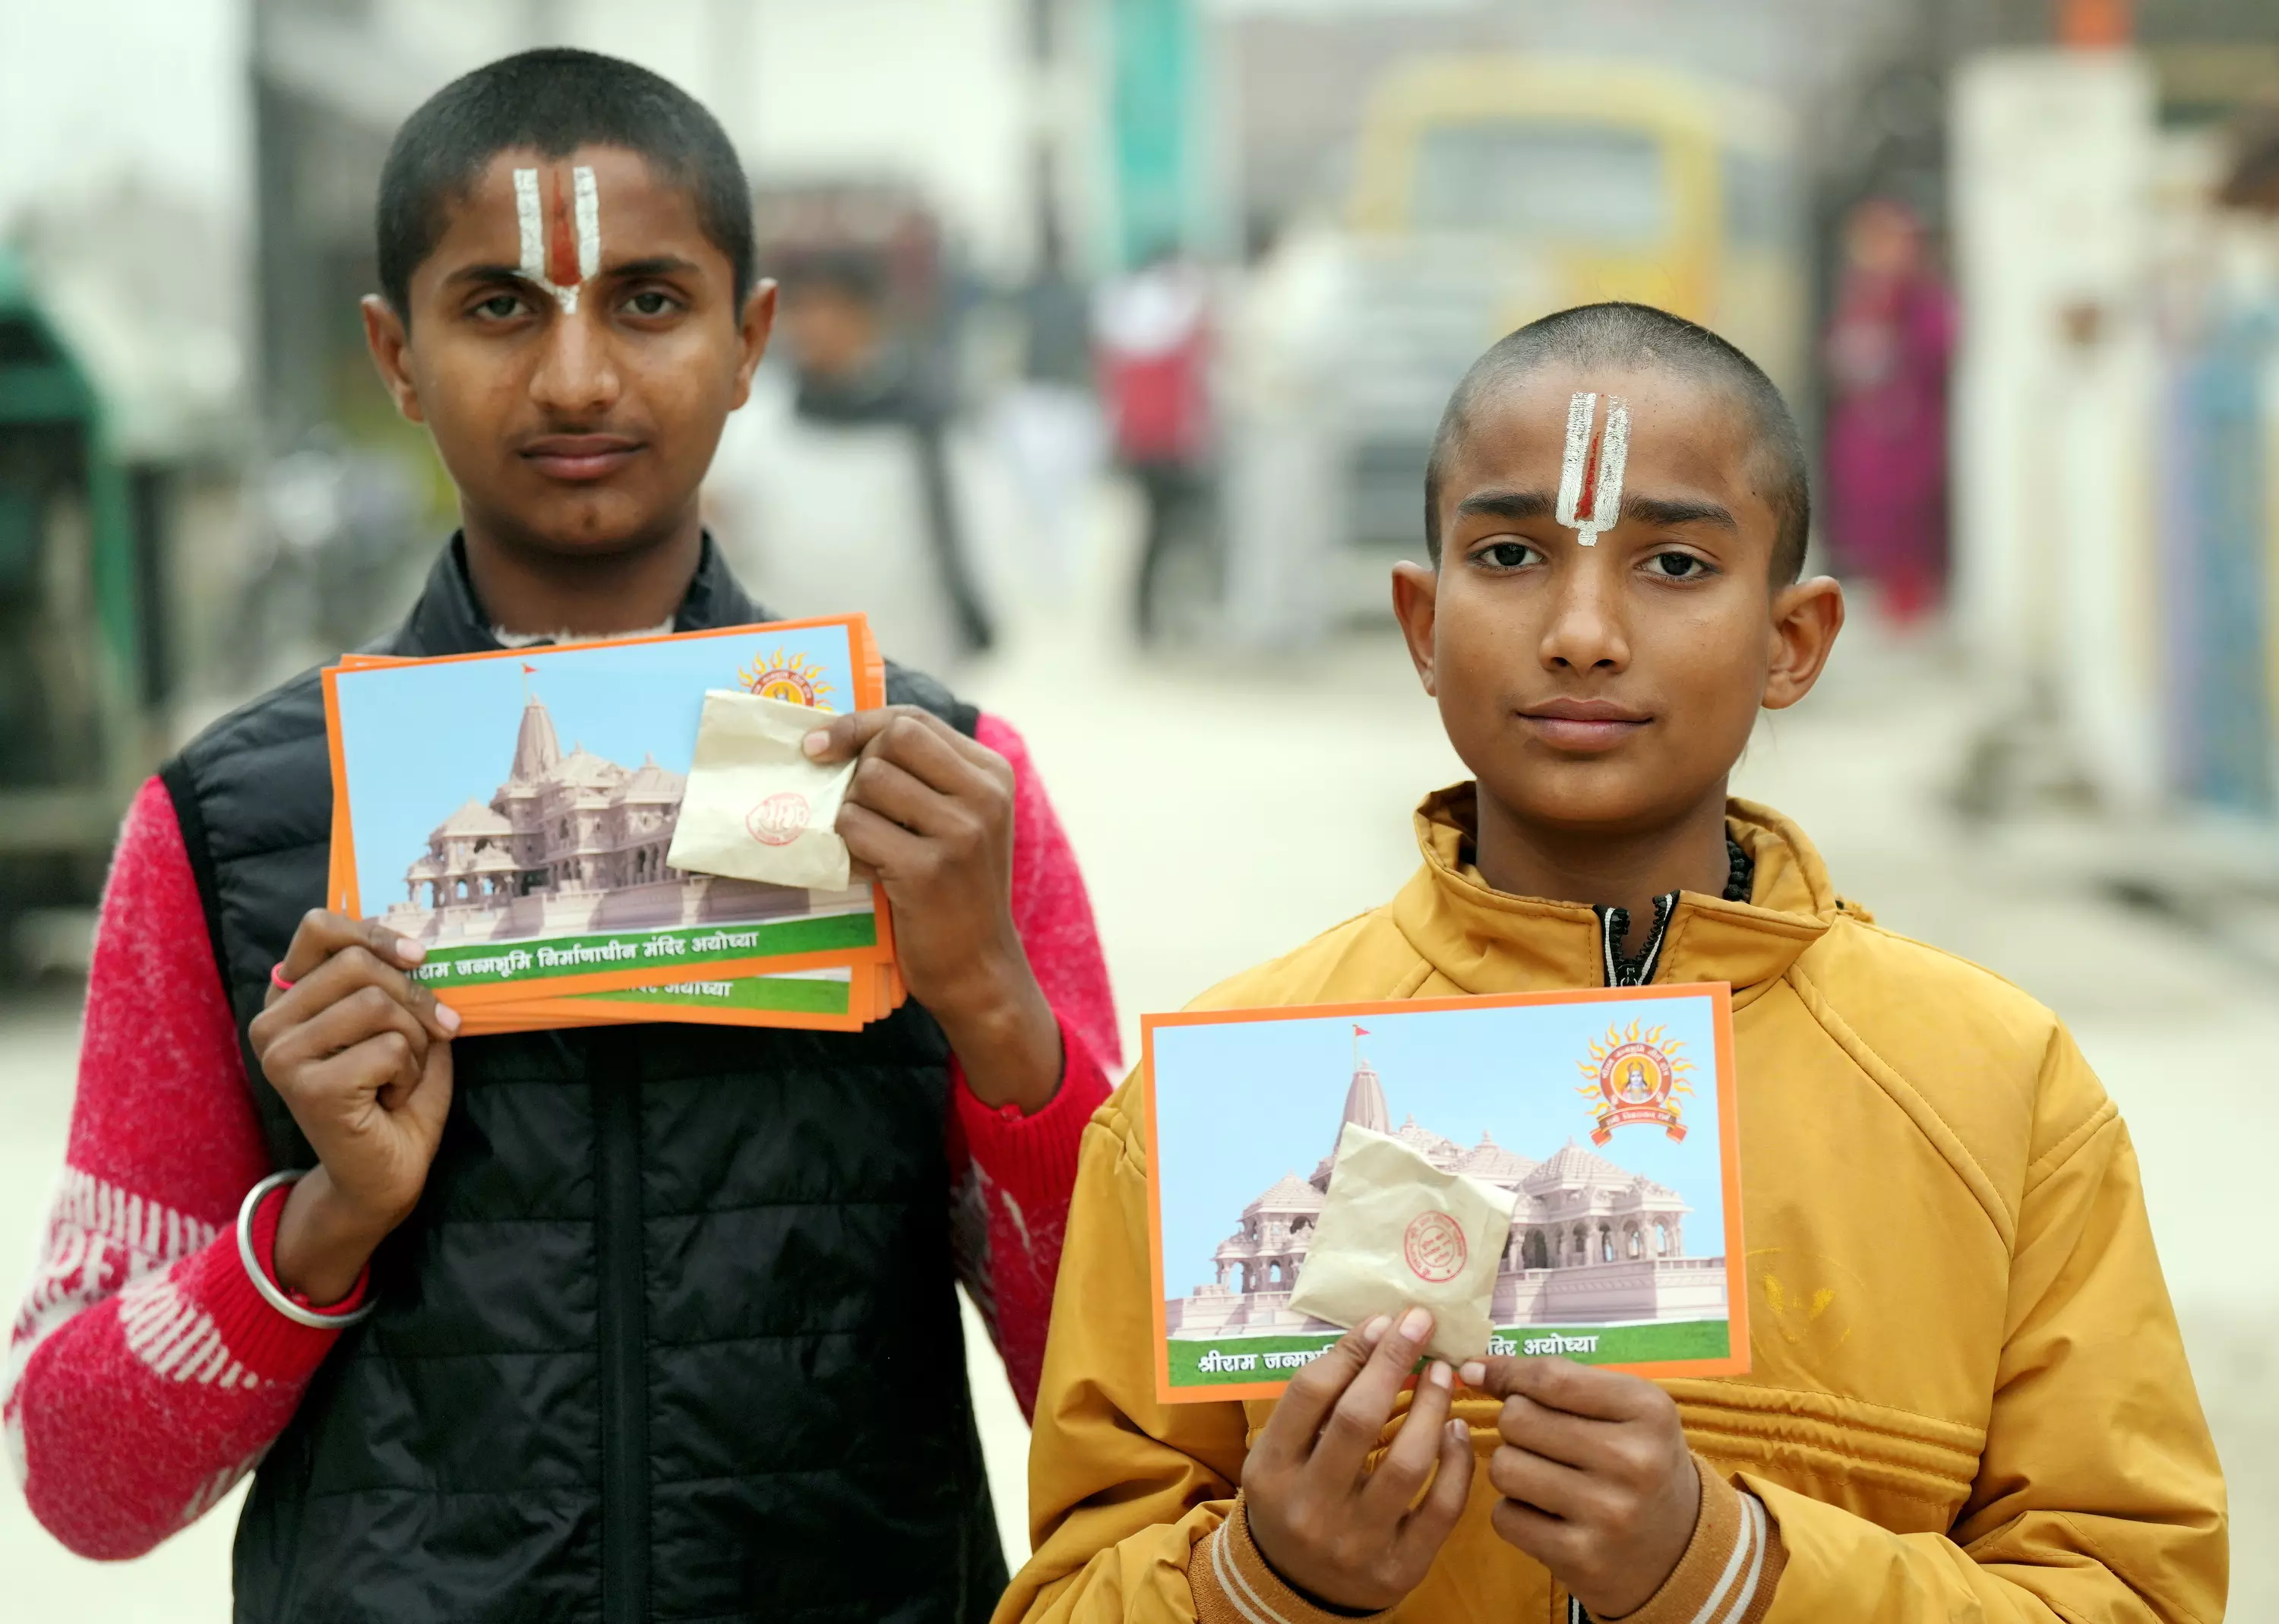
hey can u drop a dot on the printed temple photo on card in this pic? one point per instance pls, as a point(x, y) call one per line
point(513, 813)
point(1605, 1117)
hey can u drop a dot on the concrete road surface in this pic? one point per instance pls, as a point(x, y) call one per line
point(1225, 813)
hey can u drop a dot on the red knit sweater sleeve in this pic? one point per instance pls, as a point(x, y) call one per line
point(145, 1375)
point(1022, 1169)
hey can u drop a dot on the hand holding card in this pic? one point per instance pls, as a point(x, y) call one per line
point(1598, 1481)
point(929, 817)
point(1341, 1530)
point(360, 1053)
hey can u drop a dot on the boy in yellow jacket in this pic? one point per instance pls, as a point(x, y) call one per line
point(1966, 1399)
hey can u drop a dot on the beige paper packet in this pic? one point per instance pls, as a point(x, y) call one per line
point(755, 808)
point(1396, 1231)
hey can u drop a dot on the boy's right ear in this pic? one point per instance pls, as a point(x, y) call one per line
point(759, 321)
point(1415, 605)
point(387, 339)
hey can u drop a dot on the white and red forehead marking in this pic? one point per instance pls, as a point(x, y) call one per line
point(561, 237)
point(1591, 473)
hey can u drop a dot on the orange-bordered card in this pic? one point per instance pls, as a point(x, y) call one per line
point(1609, 1114)
point(843, 998)
point(512, 811)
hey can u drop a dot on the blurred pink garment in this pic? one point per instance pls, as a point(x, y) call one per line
point(1152, 334)
point(1888, 352)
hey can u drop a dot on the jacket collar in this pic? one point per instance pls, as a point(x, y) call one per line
point(1483, 941)
point(448, 620)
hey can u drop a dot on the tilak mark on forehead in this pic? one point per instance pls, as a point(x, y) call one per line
point(1591, 473)
point(561, 240)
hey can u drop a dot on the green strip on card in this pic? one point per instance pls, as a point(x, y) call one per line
point(1617, 1344)
point(788, 995)
point(491, 963)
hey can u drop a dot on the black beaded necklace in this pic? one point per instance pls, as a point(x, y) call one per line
point(1624, 969)
point(1740, 872)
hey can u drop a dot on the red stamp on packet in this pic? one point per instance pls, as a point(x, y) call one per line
point(1434, 1247)
point(778, 819)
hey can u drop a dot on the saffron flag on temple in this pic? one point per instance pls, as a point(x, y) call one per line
point(1606, 1116)
point(512, 813)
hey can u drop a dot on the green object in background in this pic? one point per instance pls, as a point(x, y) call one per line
point(41, 385)
point(1154, 49)
point(19, 539)
point(73, 738)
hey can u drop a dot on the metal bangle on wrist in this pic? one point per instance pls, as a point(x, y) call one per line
point(268, 1288)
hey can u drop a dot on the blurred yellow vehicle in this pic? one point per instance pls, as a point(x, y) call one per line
point(1613, 180)
point(1488, 190)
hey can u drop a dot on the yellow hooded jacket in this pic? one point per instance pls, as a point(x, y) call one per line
point(1966, 1398)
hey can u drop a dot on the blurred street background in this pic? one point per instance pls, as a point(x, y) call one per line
point(1128, 322)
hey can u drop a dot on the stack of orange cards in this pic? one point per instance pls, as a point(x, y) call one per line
point(511, 812)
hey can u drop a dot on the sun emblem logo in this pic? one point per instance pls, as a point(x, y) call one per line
point(1636, 1077)
point(792, 678)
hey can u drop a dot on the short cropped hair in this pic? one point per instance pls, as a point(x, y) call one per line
point(556, 100)
point(1621, 334)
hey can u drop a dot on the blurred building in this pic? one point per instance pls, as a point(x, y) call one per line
point(944, 98)
point(190, 188)
point(124, 416)
point(1423, 179)
point(2117, 449)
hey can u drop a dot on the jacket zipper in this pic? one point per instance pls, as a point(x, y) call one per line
point(1621, 971)
point(1614, 929)
point(621, 1326)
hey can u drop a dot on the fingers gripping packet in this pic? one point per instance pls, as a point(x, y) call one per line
point(757, 808)
point(1396, 1231)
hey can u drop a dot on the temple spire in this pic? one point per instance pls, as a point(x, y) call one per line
point(1364, 1104)
point(536, 751)
point(1364, 1097)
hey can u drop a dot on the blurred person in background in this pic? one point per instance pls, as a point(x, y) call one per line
point(1152, 333)
point(1889, 348)
point(837, 490)
point(1286, 471)
point(2226, 471)
point(1050, 417)
point(652, 1322)
point(2253, 182)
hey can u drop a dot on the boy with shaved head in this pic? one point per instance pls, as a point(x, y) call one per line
point(609, 1324)
point(1967, 1396)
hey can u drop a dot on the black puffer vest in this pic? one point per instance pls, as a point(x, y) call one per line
point(672, 1333)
